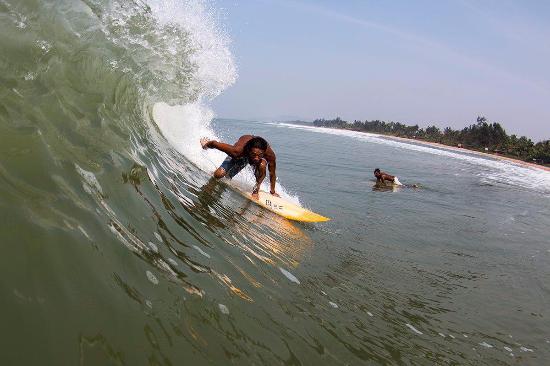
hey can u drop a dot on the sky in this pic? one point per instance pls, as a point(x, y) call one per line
point(417, 62)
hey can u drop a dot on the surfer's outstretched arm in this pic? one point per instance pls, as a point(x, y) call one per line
point(226, 148)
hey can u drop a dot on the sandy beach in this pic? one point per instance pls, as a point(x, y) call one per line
point(475, 152)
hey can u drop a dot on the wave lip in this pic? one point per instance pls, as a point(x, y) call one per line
point(184, 125)
point(215, 68)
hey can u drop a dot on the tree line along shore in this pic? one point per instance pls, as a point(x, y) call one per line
point(481, 136)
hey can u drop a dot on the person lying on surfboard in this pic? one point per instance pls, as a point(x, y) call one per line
point(248, 149)
point(382, 177)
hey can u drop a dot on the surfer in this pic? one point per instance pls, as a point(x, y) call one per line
point(382, 177)
point(248, 149)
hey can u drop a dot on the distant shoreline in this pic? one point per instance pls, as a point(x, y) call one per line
point(464, 149)
point(439, 145)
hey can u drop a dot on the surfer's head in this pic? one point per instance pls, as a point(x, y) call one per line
point(255, 149)
point(376, 172)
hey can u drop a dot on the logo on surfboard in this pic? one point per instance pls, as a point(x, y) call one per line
point(273, 205)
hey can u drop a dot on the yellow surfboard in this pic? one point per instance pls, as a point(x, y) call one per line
point(284, 208)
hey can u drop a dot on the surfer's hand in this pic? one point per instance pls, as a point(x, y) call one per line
point(275, 194)
point(255, 196)
point(204, 143)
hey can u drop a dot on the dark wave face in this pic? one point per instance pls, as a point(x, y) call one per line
point(118, 248)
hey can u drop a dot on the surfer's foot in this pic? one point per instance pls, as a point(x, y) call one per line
point(204, 142)
point(255, 196)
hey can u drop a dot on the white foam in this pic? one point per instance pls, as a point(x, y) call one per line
point(183, 126)
point(44, 46)
point(223, 309)
point(84, 232)
point(208, 49)
point(486, 345)
point(414, 329)
point(289, 275)
point(153, 247)
point(154, 280)
point(90, 183)
point(215, 66)
point(333, 304)
point(214, 70)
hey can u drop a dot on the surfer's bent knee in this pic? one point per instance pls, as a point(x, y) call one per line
point(219, 173)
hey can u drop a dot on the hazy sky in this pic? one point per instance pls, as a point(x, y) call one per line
point(425, 62)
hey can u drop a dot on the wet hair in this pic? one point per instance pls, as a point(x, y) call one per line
point(377, 170)
point(255, 142)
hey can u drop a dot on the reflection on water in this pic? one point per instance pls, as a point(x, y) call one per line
point(260, 234)
point(117, 249)
point(159, 264)
point(347, 310)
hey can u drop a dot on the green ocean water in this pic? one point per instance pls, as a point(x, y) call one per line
point(118, 249)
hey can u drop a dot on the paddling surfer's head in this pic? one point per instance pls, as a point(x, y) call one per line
point(255, 149)
point(377, 172)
